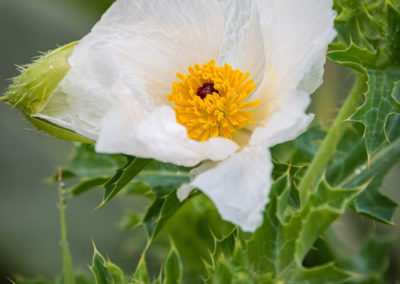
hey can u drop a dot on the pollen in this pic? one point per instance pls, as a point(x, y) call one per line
point(213, 101)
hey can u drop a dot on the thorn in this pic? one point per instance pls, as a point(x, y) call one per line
point(19, 101)
point(99, 206)
point(12, 281)
point(60, 175)
point(20, 68)
point(369, 160)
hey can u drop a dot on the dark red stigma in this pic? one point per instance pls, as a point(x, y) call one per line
point(206, 89)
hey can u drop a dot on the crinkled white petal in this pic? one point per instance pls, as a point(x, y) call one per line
point(285, 124)
point(296, 34)
point(69, 108)
point(184, 191)
point(243, 46)
point(144, 43)
point(131, 129)
point(239, 186)
point(314, 78)
point(149, 42)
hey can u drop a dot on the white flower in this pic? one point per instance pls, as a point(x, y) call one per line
point(123, 90)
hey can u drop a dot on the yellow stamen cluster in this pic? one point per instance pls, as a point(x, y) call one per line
point(221, 111)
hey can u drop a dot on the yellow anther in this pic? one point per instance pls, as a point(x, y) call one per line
point(210, 101)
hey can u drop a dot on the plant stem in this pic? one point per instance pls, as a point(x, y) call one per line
point(329, 145)
point(67, 271)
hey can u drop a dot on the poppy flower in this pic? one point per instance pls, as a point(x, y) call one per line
point(205, 83)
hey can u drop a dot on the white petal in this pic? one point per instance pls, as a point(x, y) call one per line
point(314, 78)
point(296, 35)
point(148, 42)
point(239, 186)
point(144, 43)
point(286, 123)
point(184, 191)
point(72, 109)
point(243, 46)
point(130, 129)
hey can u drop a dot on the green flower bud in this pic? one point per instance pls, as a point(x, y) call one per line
point(32, 89)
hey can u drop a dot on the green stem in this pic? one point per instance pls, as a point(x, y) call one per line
point(67, 271)
point(329, 145)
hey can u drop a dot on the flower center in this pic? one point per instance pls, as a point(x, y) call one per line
point(206, 89)
point(212, 101)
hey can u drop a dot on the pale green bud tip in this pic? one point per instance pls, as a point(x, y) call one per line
point(31, 90)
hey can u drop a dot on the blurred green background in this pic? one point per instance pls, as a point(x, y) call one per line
point(29, 229)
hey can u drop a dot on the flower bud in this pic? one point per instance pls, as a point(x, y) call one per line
point(32, 89)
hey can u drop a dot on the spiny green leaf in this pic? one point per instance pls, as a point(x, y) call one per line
point(94, 169)
point(231, 268)
point(367, 44)
point(224, 249)
point(99, 269)
point(138, 188)
point(228, 261)
point(278, 248)
point(360, 21)
point(158, 179)
point(321, 251)
point(122, 177)
point(301, 151)
point(116, 273)
point(173, 271)
point(130, 221)
point(373, 27)
point(202, 226)
point(357, 58)
point(158, 280)
point(350, 157)
point(371, 261)
point(349, 166)
point(163, 177)
point(87, 184)
point(225, 245)
point(380, 103)
point(371, 202)
point(141, 276)
point(293, 157)
point(160, 212)
point(221, 275)
point(393, 30)
point(327, 273)
point(86, 162)
point(374, 204)
point(105, 272)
